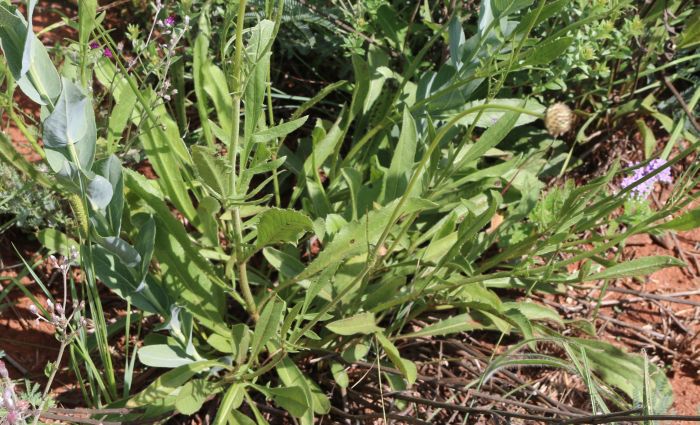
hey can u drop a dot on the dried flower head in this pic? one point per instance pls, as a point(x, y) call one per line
point(643, 190)
point(558, 119)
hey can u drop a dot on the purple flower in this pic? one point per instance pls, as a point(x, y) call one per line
point(169, 21)
point(108, 53)
point(94, 45)
point(643, 190)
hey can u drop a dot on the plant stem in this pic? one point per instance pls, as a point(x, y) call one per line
point(241, 262)
point(61, 350)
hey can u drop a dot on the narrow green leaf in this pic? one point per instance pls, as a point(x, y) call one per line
point(278, 131)
point(406, 367)
point(232, 400)
point(638, 267)
point(688, 221)
point(547, 51)
point(403, 159)
point(266, 328)
point(491, 137)
point(455, 324)
point(363, 323)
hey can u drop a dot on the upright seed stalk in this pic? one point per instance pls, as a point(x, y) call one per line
point(241, 263)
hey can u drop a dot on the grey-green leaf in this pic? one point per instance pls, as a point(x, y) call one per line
point(162, 355)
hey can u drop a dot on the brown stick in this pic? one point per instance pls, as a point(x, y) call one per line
point(684, 105)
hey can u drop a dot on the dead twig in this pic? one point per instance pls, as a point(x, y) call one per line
point(655, 296)
point(681, 101)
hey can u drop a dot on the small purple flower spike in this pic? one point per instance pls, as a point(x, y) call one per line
point(169, 21)
point(94, 45)
point(644, 189)
point(108, 53)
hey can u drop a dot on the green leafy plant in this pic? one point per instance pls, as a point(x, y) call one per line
point(423, 198)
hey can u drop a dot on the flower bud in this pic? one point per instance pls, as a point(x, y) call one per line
point(12, 417)
point(558, 119)
point(3, 371)
point(7, 397)
point(33, 310)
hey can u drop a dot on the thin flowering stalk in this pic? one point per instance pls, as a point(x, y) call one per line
point(137, 58)
point(62, 323)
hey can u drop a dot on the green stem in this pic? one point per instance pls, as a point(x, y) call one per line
point(241, 261)
point(42, 406)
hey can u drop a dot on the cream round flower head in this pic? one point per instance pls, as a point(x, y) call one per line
point(558, 119)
